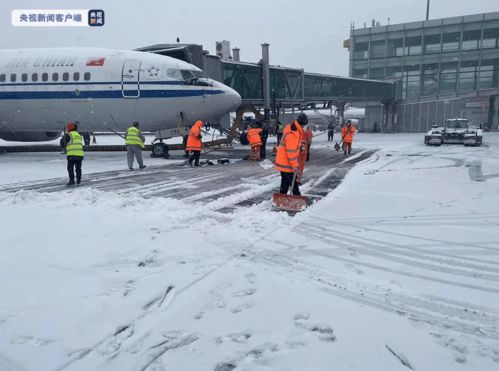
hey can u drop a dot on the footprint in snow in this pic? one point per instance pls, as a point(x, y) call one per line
point(244, 306)
point(155, 233)
point(225, 366)
point(129, 287)
point(239, 338)
point(245, 292)
point(112, 347)
point(149, 259)
point(216, 301)
point(326, 333)
point(30, 340)
point(250, 277)
point(301, 316)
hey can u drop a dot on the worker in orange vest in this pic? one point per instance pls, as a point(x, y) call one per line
point(255, 141)
point(300, 122)
point(347, 133)
point(308, 139)
point(286, 160)
point(194, 143)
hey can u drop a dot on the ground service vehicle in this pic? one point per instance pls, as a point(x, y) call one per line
point(457, 130)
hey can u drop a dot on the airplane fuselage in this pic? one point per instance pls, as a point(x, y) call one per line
point(41, 90)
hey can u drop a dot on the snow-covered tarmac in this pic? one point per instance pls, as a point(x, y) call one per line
point(396, 269)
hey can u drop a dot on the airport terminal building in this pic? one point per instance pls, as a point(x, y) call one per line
point(445, 68)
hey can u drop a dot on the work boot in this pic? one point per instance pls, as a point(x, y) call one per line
point(130, 168)
point(70, 183)
point(78, 181)
point(143, 167)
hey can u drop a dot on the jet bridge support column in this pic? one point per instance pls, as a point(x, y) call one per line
point(389, 118)
point(340, 112)
point(266, 81)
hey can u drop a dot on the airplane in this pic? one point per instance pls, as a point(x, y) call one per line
point(41, 90)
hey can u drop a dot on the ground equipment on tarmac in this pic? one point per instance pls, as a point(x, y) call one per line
point(457, 130)
point(289, 202)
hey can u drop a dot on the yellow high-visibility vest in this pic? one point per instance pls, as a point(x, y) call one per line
point(133, 137)
point(75, 145)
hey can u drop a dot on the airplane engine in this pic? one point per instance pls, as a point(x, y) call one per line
point(29, 136)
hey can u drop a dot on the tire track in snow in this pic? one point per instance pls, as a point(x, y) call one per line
point(398, 271)
point(389, 249)
point(469, 320)
point(410, 236)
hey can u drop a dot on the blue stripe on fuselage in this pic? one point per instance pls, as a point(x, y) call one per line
point(176, 82)
point(103, 94)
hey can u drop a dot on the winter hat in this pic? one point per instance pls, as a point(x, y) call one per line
point(71, 126)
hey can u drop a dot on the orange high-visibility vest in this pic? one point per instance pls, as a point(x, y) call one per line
point(288, 151)
point(194, 142)
point(347, 134)
point(253, 135)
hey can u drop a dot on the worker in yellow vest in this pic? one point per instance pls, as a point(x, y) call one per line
point(134, 140)
point(72, 142)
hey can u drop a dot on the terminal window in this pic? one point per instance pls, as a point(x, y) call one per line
point(491, 38)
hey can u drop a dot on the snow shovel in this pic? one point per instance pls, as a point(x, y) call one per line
point(290, 202)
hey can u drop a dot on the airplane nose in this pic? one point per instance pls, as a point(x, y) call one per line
point(229, 100)
point(233, 99)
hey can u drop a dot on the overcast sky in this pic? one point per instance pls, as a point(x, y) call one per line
point(302, 33)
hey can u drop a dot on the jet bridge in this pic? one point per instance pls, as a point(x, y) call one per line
point(267, 89)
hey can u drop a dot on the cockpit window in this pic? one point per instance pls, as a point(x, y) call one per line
point(192, 77)
point(187, 75)
point(200, 74)
point(174, 73)
point(193, 74)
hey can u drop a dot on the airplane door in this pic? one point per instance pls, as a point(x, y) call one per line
point(130, 85)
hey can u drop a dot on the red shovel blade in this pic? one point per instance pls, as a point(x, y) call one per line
point(289, 202)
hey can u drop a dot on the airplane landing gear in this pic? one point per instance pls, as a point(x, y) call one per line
point(160, 149)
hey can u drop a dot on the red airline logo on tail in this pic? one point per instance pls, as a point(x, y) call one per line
point(95, 62)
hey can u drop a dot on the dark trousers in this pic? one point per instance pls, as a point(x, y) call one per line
point(330, 135)
point(263, 153)
point(195, 155)
point(74, 162)
point(308, 153)
point(286, 180)
point(279, 137)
